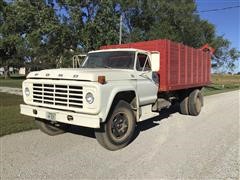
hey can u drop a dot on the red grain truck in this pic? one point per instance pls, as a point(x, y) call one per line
point(117, 87)
point(181, 66)
point(182, 71)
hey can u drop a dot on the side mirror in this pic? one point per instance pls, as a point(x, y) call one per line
point(155, 77)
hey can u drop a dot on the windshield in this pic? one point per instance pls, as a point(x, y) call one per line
point(110, 59)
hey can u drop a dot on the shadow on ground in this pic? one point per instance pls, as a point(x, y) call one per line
point(155, 121)
point(141, 126)
point(78, 130)
point(152, 122)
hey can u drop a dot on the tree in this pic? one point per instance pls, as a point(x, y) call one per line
point(94, 23)
point(225, 57)
point(31, 32)
point(46, 32)
point(176, 20)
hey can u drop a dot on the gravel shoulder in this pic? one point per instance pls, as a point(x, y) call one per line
point(11, 90)
point(171, 146)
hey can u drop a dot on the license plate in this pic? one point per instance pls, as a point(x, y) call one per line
point(51, 116)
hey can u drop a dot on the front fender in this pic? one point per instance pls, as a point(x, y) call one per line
point(109, 93)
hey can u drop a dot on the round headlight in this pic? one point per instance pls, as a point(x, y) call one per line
point(89, 98)
point(27, 91)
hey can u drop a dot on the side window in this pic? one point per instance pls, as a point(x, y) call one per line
point(143, 63)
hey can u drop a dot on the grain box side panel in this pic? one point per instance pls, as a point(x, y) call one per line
point(194, 66)
point(189, 64)
point(174, 63)
point(200, 66)
point(197, 65)
point(204, 67)
point(192, 60)
point(182, 65)
point(208, 69)
point(163, 71)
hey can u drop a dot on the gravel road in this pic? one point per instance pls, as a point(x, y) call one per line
point(170, 146)
point(10, 90)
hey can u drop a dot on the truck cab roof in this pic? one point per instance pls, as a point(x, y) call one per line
point(119, 49)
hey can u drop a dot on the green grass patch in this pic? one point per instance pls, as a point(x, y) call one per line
point(225, 79)
point(222, 83)
point(11, 121)
point(12, 82)
point(216, 89)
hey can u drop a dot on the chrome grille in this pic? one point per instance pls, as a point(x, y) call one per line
point(58, 95)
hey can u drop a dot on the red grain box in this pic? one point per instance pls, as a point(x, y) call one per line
point(181, 67)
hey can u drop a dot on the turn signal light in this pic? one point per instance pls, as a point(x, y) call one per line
point(102, 79)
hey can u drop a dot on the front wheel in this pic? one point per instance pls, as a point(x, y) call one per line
point(50, 129)
point(119, 128)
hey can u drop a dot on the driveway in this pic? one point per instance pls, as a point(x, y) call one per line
point(170, 146)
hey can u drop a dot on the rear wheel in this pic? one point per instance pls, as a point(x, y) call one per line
point(119, 128)
point(195, 102)
point(51, 129)
point(184, 106)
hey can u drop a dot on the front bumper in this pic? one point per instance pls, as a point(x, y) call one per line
point(92, 121)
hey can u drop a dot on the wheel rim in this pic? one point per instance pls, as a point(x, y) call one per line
point(119, 126)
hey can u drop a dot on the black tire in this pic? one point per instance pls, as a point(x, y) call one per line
point(51, 129)
point(195, 102)
point(118, 130)
point(184, 106)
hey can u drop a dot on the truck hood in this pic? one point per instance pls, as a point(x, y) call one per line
point(82, 74)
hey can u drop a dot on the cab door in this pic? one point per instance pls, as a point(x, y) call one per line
point(147, 87)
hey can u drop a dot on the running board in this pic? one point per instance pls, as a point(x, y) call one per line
point(146, 113)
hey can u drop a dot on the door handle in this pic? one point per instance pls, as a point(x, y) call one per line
point(143, 75)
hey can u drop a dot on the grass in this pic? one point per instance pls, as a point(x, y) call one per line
point(222, 83)
point(215, 89)
point(14, 81)
point(226, 79)
point(11, 121)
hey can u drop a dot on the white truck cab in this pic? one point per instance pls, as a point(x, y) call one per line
point(111, 91)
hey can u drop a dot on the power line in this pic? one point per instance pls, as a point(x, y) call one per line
point(219, 9)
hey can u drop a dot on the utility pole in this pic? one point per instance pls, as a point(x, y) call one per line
point(120, 30)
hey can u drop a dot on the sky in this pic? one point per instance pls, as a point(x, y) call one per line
point(227, 22)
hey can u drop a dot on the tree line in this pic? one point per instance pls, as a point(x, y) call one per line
point(42, 33)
